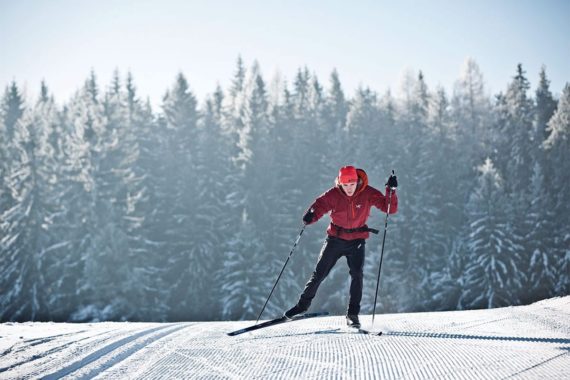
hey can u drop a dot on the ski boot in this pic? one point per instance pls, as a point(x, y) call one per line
point(353, 321)
point(289, 314)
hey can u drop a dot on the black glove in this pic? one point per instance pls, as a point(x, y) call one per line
point(308, 217)
point(392, 182)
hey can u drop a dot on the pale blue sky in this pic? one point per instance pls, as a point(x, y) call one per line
point(369, 42)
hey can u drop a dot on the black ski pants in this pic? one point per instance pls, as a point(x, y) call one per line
point(333, 249)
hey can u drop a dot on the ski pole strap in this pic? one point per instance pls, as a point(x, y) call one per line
point(340, 229)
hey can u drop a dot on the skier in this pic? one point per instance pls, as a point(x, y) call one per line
point(349, 203)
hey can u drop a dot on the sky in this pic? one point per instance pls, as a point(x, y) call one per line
point(370, 43)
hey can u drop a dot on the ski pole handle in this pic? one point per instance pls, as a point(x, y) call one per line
point(387, 183)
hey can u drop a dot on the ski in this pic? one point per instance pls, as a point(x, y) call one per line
point(368, 332)
point(278, 321)
point(363, 331)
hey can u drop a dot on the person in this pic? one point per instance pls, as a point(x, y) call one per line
point(349, 203)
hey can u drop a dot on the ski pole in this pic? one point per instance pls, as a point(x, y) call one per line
point(282, 269)
point(382, 253)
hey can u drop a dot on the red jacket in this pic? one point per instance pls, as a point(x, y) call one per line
point(352, 212)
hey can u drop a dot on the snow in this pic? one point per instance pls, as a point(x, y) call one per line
point(524, 342)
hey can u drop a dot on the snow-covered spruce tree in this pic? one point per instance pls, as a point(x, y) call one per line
point(84, 121)
point(446, 224)
point(298, 132)
point(218, 186)
point(334, 119)
point(70, 143)
point(180, 226)
point(107, 148)
point(256, 159)
point(262, 187)
point(421, 211)
point(126, 190)
point(12, 109)
point(231, 115)
point(324, 157)
point(150, 244)
point(499, 137)
point(541, 224)
point(542, 274)
point(285, 210)
point(519, 160)
point(254, 167)
point(57, 247)
point(544, 109)
point(492, 274)
point(32, 220)
point(471, 111)
point(471, 139)
point(470, 132)
point(517, 153)
point(5, 203)
point(146, 280)
point(241, 296)
point(363, 123)
point(557, 147)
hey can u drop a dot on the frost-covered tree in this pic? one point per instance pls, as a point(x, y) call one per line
point(545, 107)
point(492, 275)
point(420, 214)
point(31, 225)
point(11, 111)
point(241, 274)
point(146, 286)
point(447, 203)
point(77, 126)
point(187, 246)
point(108, 152)
point(336, 113)
point(557, 146)
point(363, 121)
point(516, 158)
point(542, 274)
point(518, 128)
point(471, 113)
point(285, 207)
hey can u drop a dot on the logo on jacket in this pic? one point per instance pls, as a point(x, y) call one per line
point(358, 205)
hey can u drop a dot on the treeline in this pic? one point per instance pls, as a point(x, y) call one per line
point(110, 210)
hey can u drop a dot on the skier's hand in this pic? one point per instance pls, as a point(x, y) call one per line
point(308, 217)
point(392, 182)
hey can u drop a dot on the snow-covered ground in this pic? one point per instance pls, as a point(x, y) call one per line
point(527, 342)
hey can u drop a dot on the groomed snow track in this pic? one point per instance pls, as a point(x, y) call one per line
point(525, 342)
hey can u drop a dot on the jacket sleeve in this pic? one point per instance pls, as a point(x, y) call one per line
point(322, 205)
point(380, 200)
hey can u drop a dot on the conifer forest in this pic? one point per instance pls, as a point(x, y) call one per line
point(114, 209)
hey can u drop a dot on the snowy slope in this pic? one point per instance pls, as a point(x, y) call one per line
point(527, 342)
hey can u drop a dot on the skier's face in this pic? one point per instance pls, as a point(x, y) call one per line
point(349, 188)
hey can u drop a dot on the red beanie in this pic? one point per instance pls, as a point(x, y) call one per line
point(347, 174)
